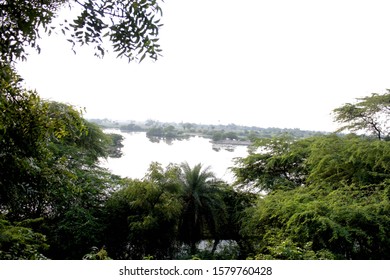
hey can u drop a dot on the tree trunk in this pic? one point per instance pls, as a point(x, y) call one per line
point(216, 242)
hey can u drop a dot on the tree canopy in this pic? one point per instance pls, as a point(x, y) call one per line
point(370, 114)
point(49, 169)
point(326, 197)
point(273, 163)
point(203, 210)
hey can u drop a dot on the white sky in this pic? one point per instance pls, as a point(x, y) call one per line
point(275, 63)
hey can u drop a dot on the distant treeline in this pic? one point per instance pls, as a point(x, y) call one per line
point(215, 132)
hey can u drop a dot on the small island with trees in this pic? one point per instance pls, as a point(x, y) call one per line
point(230, 134)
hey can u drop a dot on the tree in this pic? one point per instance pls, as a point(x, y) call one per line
point(343, 222)
point(371, 113)
point(49, 168)
point(115, 145)
point(275, 163)
point(339, 210)
point(203, 207)
point(131, 26)
point(142, 217)
point(236, 203)
point(153, 222)
point(327, 196)
point(351, 160)
point(218, 136)
point(20, 23)
point(44, 149)
point(19, 242)
point(24, 133)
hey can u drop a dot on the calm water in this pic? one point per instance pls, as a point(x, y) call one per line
point(139, 152)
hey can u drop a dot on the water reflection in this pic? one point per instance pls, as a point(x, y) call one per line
point(218, 147)
point(139, 151)
point(167, 140)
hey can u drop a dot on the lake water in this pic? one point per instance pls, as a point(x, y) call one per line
point(139, 152)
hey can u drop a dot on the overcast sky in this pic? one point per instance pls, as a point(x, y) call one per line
point(278, 63)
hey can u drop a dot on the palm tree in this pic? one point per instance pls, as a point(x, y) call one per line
point(203, 207)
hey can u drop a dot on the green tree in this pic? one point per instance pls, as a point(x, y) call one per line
point(371, 113)
point(142, 217)
point(49, 168)
point(273, 163)
point(347, 222)
point(203, 207)
point(25, 129)
point(97, 254)
point(236, 203)
point(19, 242)
point(131, 127)
point(20, 24)
point(131, 26)
point(351, 160)
point(339, 211)
point(78, 186)
point(231, 135)
point(218, 135)
point(115, 145)
point(44, 147)
point(188, 126)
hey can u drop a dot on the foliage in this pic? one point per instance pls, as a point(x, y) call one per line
point(131, 26)
point(167, 132)
point(39, 143)
point(49, 168)
point(144, 216)
point(203, 207)
point(340, 210)
point(20, 243)
point(350, 159)
point(286, 249)
point(131, 127)
point(20, 23)
point(170, 210)
point(25, 130)
point(221, 135)
point(236, 202)
point(340, 207)
point(73, 233)
point(276, 163)
point(228, 250)
point(97, 254)
point(371, 113)
point(347, 223)
point(116, 145)
point(22, 116)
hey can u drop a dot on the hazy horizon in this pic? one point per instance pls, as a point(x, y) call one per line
point(127, 121)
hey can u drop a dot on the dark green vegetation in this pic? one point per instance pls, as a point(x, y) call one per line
point(316, 197)
point(327, 197)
